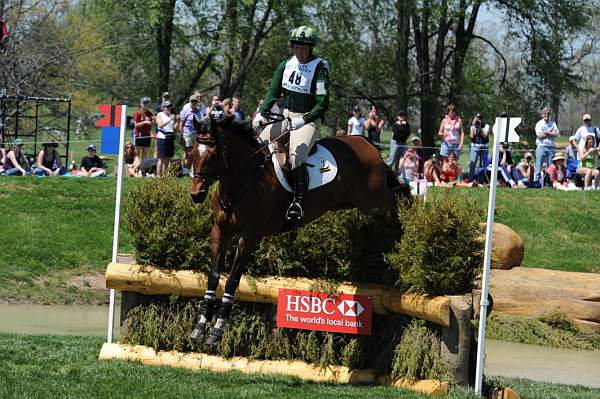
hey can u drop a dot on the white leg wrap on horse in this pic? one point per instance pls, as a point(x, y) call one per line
point(220, 323)
point(203, 319)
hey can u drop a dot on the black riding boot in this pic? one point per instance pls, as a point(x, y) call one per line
point(300, 175)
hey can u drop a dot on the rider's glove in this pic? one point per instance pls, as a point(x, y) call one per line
point(297, 123)
point(257, 121)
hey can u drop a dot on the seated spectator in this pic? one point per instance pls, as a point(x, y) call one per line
point(571, 152)
point(91, 164)
point(415, 142)
point(588, 163)
point(451, 173)
point(432, 170)
point(408, 166)
point(505, 166)
point(558, 174)
point(148, 167)
point(131, 166)
point(524, 172)
point(15, 163)
point(48, 161)
point(2, 157)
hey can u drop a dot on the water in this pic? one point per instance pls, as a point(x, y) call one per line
point(57, 319)
point(539, 363)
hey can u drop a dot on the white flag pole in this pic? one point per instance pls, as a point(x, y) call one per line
point(111, 307)
point(487, 256)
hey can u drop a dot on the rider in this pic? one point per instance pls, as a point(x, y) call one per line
point(303, 79)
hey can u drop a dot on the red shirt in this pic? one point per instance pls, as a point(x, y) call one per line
point(141, 116)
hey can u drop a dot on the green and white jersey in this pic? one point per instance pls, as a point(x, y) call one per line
point(305, 87)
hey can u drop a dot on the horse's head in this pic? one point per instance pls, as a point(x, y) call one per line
point(207, 158)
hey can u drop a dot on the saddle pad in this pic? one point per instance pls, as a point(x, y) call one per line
point(321, 167)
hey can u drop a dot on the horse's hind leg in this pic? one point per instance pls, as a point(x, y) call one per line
point(219, 241)
point(244, 248)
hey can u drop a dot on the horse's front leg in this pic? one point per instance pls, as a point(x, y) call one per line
point(218, 241)
point(244, 249)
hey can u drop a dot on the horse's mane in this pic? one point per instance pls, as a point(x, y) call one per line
point(242, 129)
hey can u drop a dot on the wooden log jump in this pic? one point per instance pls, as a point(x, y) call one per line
point(201, 361)
point(530, 292)
point(154, 281)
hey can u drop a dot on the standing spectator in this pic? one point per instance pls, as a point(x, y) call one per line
point(15, 163)
point(201, 107)
point(215, 105)
point(451, 132)
point(260, 103)
point(374, 125)
point(91, 164)
point(141, 133)
point(588, 163)
point(356, 124)
point(236, 108)
point(3, 34)
point(227, 105)
point(524, 171)
point(587, 129)
point(558, 174)
point(166, 96)
point(165, 141)
point(400, 133)
point(545, 130)
point(188, 129)
point(479, 134)
point(48, 161)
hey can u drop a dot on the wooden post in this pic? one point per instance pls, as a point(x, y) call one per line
point(456, 339)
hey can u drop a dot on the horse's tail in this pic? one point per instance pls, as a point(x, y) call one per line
point(400, 189)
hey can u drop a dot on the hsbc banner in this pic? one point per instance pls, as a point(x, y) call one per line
point(342, 313)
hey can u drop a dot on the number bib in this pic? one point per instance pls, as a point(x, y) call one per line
point(298, 77)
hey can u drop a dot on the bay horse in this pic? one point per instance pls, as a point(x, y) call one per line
point(250, 202)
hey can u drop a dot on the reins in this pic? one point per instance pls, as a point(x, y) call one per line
point(227, 205)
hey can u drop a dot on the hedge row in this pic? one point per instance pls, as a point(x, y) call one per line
point(432, 248)
point(438, 254)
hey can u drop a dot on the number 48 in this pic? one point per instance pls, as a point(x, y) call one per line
point(297, 80)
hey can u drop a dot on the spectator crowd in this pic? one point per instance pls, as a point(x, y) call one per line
point(575, 168)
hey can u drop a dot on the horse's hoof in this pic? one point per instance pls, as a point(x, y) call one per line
point(214, 337)
point(199, 332)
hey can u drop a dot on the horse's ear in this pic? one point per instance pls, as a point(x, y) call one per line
point(213, 127)
point(201, 125)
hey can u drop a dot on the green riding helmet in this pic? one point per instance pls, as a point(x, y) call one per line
point(304, 34)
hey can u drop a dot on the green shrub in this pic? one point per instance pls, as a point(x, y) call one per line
point(252, 333)
point(418, 355)
point(441, 251)
point(167, 229)
point(341, 245)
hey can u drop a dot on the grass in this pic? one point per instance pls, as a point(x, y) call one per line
point(62, 367)
point(55, 228)
point(557, 228)
point(67, 367)
point(554, 330)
